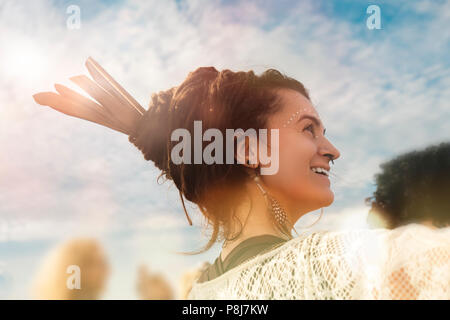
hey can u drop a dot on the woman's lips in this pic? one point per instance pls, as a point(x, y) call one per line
point(321, 177)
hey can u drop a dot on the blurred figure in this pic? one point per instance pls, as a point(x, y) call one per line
point(153, 286)
point(56, 278)
point(413, 188)
point(188, 278)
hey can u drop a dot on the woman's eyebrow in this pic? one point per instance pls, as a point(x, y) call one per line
point(313, 119)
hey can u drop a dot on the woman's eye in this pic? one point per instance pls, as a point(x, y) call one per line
point(310, 128)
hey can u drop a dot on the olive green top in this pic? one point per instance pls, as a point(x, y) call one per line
point(244, 251)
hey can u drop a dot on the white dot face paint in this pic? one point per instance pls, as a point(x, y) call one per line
point(298, 113)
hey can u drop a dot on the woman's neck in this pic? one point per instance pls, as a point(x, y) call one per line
point(255, 220)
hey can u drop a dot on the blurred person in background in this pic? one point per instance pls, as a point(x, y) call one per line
point(190, 276)
point(413, 188)
point(153, 286)
point(54, 278)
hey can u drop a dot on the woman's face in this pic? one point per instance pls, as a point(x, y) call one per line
point(302, 146)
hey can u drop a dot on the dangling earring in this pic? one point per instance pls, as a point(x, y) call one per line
point(278, 212)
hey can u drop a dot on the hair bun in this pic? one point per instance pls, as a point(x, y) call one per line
point(152, 130)
point(205, 72)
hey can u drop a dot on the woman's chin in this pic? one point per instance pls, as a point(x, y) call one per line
point(316, 200)
point(326, 198)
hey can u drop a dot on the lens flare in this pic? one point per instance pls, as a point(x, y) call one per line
point(23, 60)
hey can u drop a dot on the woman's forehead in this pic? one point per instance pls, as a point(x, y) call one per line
point(294, 100)
point(294, 105)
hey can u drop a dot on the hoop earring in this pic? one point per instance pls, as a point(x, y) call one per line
point(321, 213)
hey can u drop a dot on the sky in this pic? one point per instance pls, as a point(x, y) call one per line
point(379, 92)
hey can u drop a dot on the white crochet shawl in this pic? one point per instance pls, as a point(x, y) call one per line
point(410, 262)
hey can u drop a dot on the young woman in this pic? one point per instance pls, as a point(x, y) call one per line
point(254, 213)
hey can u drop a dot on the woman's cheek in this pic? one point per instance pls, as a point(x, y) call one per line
point(293, 176)
point(283, 180)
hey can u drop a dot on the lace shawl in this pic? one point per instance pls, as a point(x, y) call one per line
point(410, 262)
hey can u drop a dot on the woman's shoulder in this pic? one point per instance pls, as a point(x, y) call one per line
point(287, 250)
point(333, 259)
point(410, 231)
point(315, 244)
point(415, 236)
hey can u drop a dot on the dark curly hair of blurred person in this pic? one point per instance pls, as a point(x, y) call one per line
point(414, 188)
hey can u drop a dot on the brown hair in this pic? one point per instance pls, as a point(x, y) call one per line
point(222, 100)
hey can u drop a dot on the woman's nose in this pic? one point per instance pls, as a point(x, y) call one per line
point(329, 150)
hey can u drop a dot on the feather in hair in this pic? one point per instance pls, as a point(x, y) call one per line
point(114, 108)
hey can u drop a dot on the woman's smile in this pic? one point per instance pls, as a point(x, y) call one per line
point(321, 177)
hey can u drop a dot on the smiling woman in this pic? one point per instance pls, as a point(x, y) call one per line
point(254, 214)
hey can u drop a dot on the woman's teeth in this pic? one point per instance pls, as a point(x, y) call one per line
point(320, 171)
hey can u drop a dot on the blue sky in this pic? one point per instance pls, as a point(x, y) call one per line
point(379, 93)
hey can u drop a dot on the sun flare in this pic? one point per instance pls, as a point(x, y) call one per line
point(23, 60)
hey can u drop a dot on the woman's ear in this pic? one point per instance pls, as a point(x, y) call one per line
point(247, 150)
